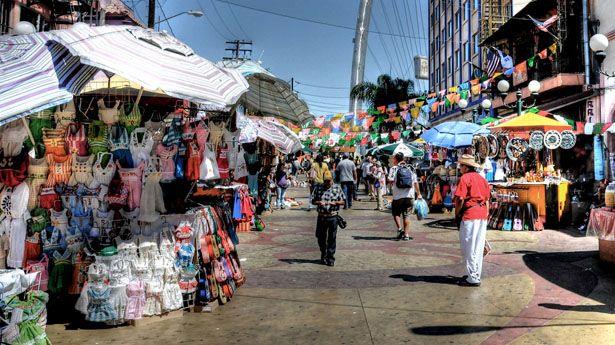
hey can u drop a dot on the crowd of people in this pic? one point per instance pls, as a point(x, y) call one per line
point(334, 183)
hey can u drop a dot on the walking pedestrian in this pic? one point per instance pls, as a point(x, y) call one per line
point(328, 197)
point(471, 212)
point(316, 175)
point(281, 182)
point(366, 168)
point(380, 184)
point(347, 173)
point(405, 189)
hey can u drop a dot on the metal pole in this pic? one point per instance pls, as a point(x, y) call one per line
point(519, 103)
point(151, 14)
point(360, 49)
point(586, 41)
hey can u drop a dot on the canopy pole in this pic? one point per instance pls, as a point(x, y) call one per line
point(139, 96)
point(25, 123)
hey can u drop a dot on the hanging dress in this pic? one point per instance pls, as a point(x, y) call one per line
point(103, 174)
point(82, 171)
point(209, 166)
point(54, 141)
point(222, 160)
point(109, 116)
point(37, 176)
point(157, 130)
point(60, 169)
point(131, 120)
point(99, 307)
point(131, 178)
point(65, 114)
point(135, 291)
point(194, 161)
point(14, 206)
point(119, 144)
point(13, 169)
point(167, 155)
point(152, 200)
point(76, 141)
point(98, 137)
point(140, 149)
point(37, 122)
point(12, 136)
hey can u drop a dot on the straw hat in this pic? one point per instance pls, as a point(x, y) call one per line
point(468, 160)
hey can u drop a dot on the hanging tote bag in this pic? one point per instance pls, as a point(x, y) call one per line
point(241, 168)
point(209, 165)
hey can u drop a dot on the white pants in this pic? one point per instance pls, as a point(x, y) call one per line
point(472, 235)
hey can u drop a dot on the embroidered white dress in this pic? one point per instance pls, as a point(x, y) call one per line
point(141, 145)
point(14, 205)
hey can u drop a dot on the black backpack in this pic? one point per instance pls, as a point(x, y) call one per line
point(403, 177)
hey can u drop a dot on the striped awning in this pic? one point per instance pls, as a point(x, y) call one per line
point(36, 74)
point(269, 95)
point(273, 132)
point(42, 70)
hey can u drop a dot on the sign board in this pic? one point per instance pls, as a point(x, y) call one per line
point(590, 108)
point(421, 67)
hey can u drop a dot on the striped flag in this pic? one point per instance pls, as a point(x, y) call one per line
point(544, 26)
point(493, 62)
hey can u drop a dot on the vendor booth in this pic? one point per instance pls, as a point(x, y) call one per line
point(124, 177)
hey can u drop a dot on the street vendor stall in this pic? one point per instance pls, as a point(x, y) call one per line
point(103, 210)
point(524, 170)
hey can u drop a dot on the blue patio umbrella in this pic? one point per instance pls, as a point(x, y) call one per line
point(453, 134)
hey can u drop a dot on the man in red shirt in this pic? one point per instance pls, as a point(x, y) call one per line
point(472, 209)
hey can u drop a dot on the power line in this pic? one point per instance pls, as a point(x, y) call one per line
point(322, 86)
point(165, 15)
point(339, 26)
point(209, 21)
point(222, 19)
point(395, 48)
point(371, 53)
point(322, 96)
point(326, 103)
point(384, 47)
point(237, 21)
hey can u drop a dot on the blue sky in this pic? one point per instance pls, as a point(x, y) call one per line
point(313, 54)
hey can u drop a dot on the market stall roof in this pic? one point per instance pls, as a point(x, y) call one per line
point(269, 95)
point(116, 85)
point(529, 122)
point(453, 134)
point(277, 134)
point(45, 69)
point(392, 149)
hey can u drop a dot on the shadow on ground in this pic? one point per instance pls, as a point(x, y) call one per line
point(442, 224)
point(301, 261)
point(374, 238)
point(450, 280)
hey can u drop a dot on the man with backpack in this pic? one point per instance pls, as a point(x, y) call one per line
point(405, 189)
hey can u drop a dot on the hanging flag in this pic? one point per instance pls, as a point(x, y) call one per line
point(403, 105)
point(453, 89)
point(553, 48)
point(349, 117)
point(414, 112)
point(464, 94)
point(431, 101)
point(362, 115)
point(493, 62)
point(405, 133)
point(505, 60)
point(520, 74)
point(544, 26)
point(464, 86)
point(476, 90)
point(434, 107)
point(364, 140)
point(531, 62)
point(395, 135)
point(474, 82)
point(419, 103)
point(580, 128)
point(391, 107)
point(543, 54)
point(425, 109)
point(405, 115)
point(382, 109)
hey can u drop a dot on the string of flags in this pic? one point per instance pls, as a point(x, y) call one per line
point(352, 128)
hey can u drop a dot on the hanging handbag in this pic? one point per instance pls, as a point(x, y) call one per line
point(209, 165)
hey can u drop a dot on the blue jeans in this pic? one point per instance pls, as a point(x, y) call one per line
point(281, 193)
point(348, 188)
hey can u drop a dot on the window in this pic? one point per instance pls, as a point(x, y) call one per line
point(466, 51)
point(468, 10)
point(458, 20)
point(458, 54)
point(476, 5)
point(475, 39)
point(450, 64)
point(450, 29)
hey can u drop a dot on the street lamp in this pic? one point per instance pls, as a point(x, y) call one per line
point(194, 13)
point(534, 87)
point(599, 43)
point(463, 105)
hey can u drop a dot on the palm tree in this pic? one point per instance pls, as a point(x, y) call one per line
point(385, 91)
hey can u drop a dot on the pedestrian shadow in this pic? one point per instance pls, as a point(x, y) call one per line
point(448, 280)
point(374, 238)
point(301, 261)
point(602, 308)
point(449, 330)
point(442, 224)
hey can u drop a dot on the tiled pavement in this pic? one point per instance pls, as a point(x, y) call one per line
point(538, 288)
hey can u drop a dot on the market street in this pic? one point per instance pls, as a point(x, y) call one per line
point(538, 288)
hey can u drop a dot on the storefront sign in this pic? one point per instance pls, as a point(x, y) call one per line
point(589, 110)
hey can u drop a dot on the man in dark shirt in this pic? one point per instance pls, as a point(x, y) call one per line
point(328, 198)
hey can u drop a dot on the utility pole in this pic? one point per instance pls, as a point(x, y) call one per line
point(292, 84)
point(360, 49)
point(239, 50)
point(151, 14)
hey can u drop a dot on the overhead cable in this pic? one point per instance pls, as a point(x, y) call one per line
point(222, 19)
point(339, 26)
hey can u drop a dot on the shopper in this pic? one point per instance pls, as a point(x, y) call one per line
point(281, 182)
point(472, 211)
point(316, 175)
point(347, 174)
point(366, 168)
point(405, 189)
point(328, 197)
point(380, 184)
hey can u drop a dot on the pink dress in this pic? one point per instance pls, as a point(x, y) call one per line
point(136, 300)
point(131, 177)
point(166, 155)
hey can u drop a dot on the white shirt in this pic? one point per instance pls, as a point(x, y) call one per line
point(401, 193)
point(365, 168)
